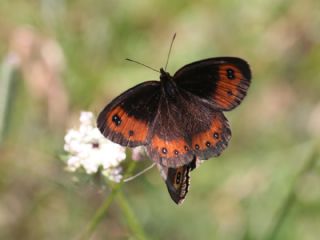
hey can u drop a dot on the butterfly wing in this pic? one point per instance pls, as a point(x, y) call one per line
point(211, 142)
point(186, 128)
point(224, 81)
point(178, 179)
point(127, 119)
point(169, 145)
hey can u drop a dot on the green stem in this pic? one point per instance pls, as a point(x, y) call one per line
point(290, 200)
point(103, 209)
point(130, 217)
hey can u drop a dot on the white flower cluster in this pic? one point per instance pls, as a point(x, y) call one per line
point(89, 149)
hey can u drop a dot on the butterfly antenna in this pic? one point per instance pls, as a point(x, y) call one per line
point(130, 60)
point(174, 36)
point(140, 173)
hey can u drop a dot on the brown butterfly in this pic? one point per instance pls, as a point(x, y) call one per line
point(179, 119)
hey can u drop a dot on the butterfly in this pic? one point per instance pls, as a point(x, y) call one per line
point(179, 119)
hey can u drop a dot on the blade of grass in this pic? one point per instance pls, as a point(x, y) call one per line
point(6, 75)
point(290, 200)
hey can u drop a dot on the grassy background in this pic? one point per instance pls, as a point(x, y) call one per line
point(239, 195)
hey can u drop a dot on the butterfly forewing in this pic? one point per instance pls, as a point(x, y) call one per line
point(224, 81)
point(127, 119)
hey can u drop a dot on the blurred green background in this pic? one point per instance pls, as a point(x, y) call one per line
point(60, 57)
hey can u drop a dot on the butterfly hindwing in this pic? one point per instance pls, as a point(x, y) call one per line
point(169, 152)
point(212, 141)
point(126, 120)
point(224, 81)
point(187, 127)
point(170, 140)
point(178, 179)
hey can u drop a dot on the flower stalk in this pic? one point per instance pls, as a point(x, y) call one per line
point(133, 224)
point(102, 211)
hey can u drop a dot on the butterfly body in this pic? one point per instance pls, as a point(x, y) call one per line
point(179, 119)
point(167, 84)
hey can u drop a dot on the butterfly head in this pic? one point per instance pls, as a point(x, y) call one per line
point(168, 85)
point(164, 76)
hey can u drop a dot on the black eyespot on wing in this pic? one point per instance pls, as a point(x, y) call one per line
point(116, 119)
